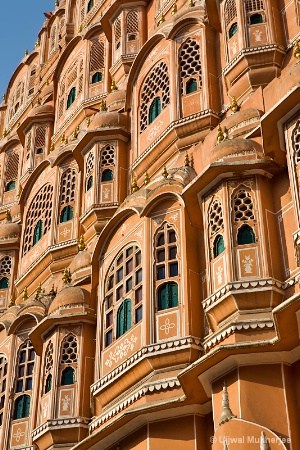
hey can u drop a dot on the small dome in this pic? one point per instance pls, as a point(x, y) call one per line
point(9, 230)
point(238, 148)
point(115, 100)
point(42, 110)
point(70, 295)
point(108, 119)
point(82, 259)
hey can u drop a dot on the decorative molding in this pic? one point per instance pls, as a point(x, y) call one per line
point(176, 344)
point(238, 326)
point(60, 423)
point(121, 350)
point(166, 384)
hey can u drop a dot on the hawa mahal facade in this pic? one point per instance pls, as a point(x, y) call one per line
point(150, 229)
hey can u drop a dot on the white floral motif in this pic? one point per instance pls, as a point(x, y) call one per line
point(121, 350)
point(18, 434)
point(45, 409)
point(2, 298)
point(257, 35)
point(219, 274)
point(123, 229)
point(106, 192)
point(65, 403)
point(139, 234)
point(248, 261)
point(65, 232)
point(157, 222)
point(35, 254)
point(234, 47)
point(174, 217)
point(167, 326)
point(155, 130)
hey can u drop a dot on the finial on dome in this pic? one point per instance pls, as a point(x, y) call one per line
point(134, 185)
point(88, 121)
point(25, 295)
point(263, 442)
point(226, 413)
point(52, 147)
point(8, 215)
point(67, 278)
point(297, 50)
point(26, 53)
point(220, 136)
point(174, 9)
point(52, 292)
point(38, 292)
point(4, 97)
point(165, 172)
point(37, 43)
point(113, 86)
point(75, 132)
point(56, 3)
point(161, 20)
point(147, 178)
point(102, 105)
point(19, 192)
point(81, 243)
point(187, 160)
point(234, 106)
point(5, 132)
point(12, 302)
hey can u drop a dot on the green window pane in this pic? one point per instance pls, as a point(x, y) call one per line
point(22, 407)
point(48, 384)
point(90, 5)
point(11, 186)
point(4, 283)
point(38, 232)
point(124, 321)
point(107, 175)
point(71, 97)
point(245, 235)
point(68, 376)
point(39, 151)
point(97, 77)
point(66, 214)
point(233, 29)
point(191, 86)
point(219, 246)
point(167, 296)
point(89, 183)
point(256, 18)
point(155, 109)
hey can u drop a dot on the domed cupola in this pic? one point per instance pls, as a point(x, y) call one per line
point(70, 300)
point(9, 230)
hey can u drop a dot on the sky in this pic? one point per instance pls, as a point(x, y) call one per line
point(20, 22)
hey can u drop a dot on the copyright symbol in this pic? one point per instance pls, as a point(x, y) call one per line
point(213, 440)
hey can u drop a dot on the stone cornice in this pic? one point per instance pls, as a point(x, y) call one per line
point(61, 423)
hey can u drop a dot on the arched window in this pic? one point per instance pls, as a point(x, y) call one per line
point(22, 407)
point(245, 235)
point(123, 293)
point(132, 25)
point(40, 209)
point(90, 5)
point(256, 18)
point(10, 186)
point(107, 175)
point(190, 66)
point(124, 322)
point(89, 183)
point(66, 214)
point(219, 246)
point(155, 109)
point(71, 97)
point(48, 384)
point(157, 80)
point(4, 283)
point(67, 376)
point(233, 30)
point(38, 232)
point(117, 32)
point(98, 76)
point(3, 385)
point(191, 86)
point(167, 296)
point(230, 12)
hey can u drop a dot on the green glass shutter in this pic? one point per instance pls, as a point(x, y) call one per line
point(90, 5)
point(4, 283)
point(245, 236)
point(127, 315)
point(67, 376)
point(48, 383)
point(89, 183)
point(191, 86)
point(71, 97)
point(120, 320)
point(233, 29)
point(66, 214)
point(19, 407)
point(155, 109)
point(38, 230)
point(256, 18)
point(173, 289)
point(11, 186)
point(107, 175)
point(162, 298)
point(97, 77)
point(26, 406)
point(219, 246)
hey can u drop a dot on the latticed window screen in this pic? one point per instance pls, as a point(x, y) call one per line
point(108, 156)
point(123, 293)
point(230, 12)
point(40, 137)
point(69, 350)
point(52, 39)
point(25, 367)
point(166, 263)
point(32, 79)
point(243, 208)
point(28, 144)
point(215, 217)
point(190, 64)
point(89, 167)
point(12, 167)
point(254, 5)
point(157, 82)
point(132, 25)
point(68, 186)
point(71, 81)
point(97, 56)
point(3, 385)
point(5, 266)
point(117, 30)
point(296, 142)
point(17, 98)
point(49, 357)
point(39, 210)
